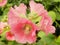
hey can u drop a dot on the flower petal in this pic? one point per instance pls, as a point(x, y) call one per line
point(50, 29)
point(21, 9)
point(38, 8)
point(10, 36)
point(18, 31)
point(13, 17)
point(31, 39)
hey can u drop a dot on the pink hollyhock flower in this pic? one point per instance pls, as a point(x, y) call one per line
point(46, 25)
point(37, 8)
point(3, 2)
point(9, 36)
point(23, 29)
point(46, 21)
point(2, 25)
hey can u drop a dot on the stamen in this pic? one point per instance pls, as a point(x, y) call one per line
point(27, 29)
point(0, 0)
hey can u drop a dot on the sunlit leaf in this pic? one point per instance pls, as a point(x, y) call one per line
point(56, 0)
point(58, 39)
point(52, 15)
point(41, 34)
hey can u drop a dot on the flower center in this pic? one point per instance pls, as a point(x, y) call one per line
point(27, 29)
point(0, 0)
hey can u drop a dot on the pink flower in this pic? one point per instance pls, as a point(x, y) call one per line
point(23, 29)
point(37, 8)
point(46, 25)
point(3, 2)
point(9, 36)
point(46, 21)
point(2, 26)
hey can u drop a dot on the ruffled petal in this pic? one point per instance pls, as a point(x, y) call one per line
point(36, 7)
point(31, 38)
point(13, 17)
point(21, 9)
point(50, 29)
point(45, 21)
point(18, 31)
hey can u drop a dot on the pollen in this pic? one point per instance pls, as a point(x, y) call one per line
point(27, 29)
point(0, 0)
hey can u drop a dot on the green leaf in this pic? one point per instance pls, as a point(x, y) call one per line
point(13, 43)
point(2, 43)
point(46, 39)
point(56, 0)
point(52, 15)
point(40, 42)
point(58, 9)
point(38, 0)
point(58, 39)
point(41, 34)
point(49, 39)
point(6, 11)
point(4, 18)
point(58, 17)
